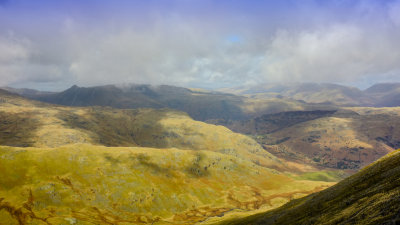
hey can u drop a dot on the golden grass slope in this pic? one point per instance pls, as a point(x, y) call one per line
point(86, 184)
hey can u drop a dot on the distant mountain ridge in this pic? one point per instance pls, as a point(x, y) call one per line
point(26, 91)
point(227, 103)
point(378, 95)
point(200, 105)
point(387, 94)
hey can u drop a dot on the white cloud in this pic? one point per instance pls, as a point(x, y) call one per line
point(13, 53)
point(17, 63)
point(12, 49)
point(173, 52)
point(338, 53)
point(336, 41)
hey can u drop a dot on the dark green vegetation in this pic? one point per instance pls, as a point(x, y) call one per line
point(371, 196)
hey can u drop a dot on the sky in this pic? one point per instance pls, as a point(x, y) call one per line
point(52, 45)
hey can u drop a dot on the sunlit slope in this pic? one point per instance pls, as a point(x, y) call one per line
point(86, 184)
point(343, 143)
point(349, 138)
point(29, 123)
point(371, 196)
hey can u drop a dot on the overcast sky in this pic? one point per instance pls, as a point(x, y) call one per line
point(51, 45)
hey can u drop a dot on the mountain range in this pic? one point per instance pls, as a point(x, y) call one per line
point(199, 104)
point(378, 95)
point(143, 154)
point(321, 134)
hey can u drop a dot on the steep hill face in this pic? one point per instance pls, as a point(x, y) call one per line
point(371, 196)
point(200, 105)
point(345, 139)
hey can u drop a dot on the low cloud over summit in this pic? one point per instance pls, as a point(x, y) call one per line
point(208, 44)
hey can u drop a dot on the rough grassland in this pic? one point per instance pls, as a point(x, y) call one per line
point(86, 184)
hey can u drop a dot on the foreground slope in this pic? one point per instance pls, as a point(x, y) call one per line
point(370, 196)
point(85, 184)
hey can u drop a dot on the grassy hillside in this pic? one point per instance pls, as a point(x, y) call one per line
point(371, 196)
point(86, 184)
point(28, 123)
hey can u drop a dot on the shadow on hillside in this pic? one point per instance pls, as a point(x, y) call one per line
point(115, 127)
point(18, 129)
